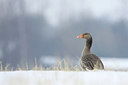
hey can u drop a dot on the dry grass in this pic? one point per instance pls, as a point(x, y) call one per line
point(61, 66)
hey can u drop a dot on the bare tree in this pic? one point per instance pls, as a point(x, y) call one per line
point(22, 35)
point(14, 11)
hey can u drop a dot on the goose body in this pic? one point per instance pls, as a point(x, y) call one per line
point(88, 60)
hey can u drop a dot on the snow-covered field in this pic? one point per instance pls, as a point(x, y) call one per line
point(118, 75)
point(63, 78)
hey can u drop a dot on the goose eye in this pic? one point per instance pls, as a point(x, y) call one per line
point(84, 35)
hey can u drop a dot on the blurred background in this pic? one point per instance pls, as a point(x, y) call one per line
point(46, 30)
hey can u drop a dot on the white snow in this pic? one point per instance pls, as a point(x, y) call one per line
point(63, 78)
point(115, 63)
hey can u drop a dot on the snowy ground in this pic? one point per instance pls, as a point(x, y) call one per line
point(63, 78)
point(119, 64)
point(118, 75)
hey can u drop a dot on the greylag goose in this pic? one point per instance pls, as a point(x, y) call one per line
point(88, 60)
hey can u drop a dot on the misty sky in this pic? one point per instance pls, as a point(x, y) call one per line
point(61, 10)
point(112, 9)
point(49, 28)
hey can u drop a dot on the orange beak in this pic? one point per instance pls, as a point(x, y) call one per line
point(81, 36)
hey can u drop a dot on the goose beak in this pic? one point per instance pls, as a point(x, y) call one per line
point(81, 36)
point(78, 36)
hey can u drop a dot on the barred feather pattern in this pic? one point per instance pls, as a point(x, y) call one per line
point(91, 62)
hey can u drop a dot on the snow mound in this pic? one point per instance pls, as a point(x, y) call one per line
point(119, 64)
